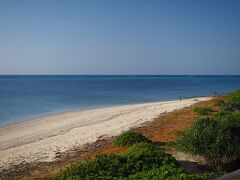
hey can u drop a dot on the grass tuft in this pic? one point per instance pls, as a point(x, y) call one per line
point(203, 111)
point(130, 138)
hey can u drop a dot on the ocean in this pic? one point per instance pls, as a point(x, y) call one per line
point(28, 97)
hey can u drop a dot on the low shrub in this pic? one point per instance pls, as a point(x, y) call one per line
point(143, 157)
point(101, 166)
point(143, 161)
point(130, 138)
point(231, 106)
point(168, 172)
point(203, 111)
point(233, 102)
point(234, 96)
point(217, 138)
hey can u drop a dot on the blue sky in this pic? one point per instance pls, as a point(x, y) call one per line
point(120, 37)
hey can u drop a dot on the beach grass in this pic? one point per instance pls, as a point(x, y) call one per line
point(217, 137)
point(130, 138)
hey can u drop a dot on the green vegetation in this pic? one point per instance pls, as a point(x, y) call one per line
point(168, 172)
point(233, 102)
point(217, 137)
point(218, 102)
point(142, 161)
point(213, 138)
point(130, 138)
point(203, 111)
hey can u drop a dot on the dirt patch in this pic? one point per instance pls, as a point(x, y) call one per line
point(168, 127)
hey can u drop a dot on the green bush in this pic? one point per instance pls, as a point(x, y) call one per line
point(216, 137)
point(101, 166)
point(140, 157)
point(143, 157)
point(232, 105)
point(203, 111)
point(143, 161)
point(168, 172)
point(234, 96)
point(233, 102)
point(130, 138)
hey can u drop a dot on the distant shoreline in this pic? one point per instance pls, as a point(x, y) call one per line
point(40, 140)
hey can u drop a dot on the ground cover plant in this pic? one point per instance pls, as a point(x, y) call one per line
point(142, 161)
point(213, 138)
point(233, 102)
point(203, 111)
point(130, 138)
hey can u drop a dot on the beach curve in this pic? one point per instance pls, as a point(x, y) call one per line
point(40, 140)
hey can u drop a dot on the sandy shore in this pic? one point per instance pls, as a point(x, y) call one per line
point(40, 140)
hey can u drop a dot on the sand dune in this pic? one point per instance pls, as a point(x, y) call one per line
point(41, 139)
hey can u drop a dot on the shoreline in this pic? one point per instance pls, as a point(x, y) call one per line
point(49, 114)
point(40, 140)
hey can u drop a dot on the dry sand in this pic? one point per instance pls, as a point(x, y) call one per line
point(40, 140)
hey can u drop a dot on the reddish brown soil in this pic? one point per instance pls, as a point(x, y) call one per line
point(168, 127)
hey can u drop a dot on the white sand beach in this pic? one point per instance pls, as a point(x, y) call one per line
point(41, 139)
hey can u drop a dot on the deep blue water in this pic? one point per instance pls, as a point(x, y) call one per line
point(26, 97)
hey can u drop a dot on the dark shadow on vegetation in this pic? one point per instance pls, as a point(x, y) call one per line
point(193, 167)
point(159, 143)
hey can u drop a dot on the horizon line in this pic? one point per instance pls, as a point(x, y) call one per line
point(119, 74)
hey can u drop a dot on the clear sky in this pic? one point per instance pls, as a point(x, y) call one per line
point(120, 37)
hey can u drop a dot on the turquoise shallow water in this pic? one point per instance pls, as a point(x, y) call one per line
point(27, 97)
